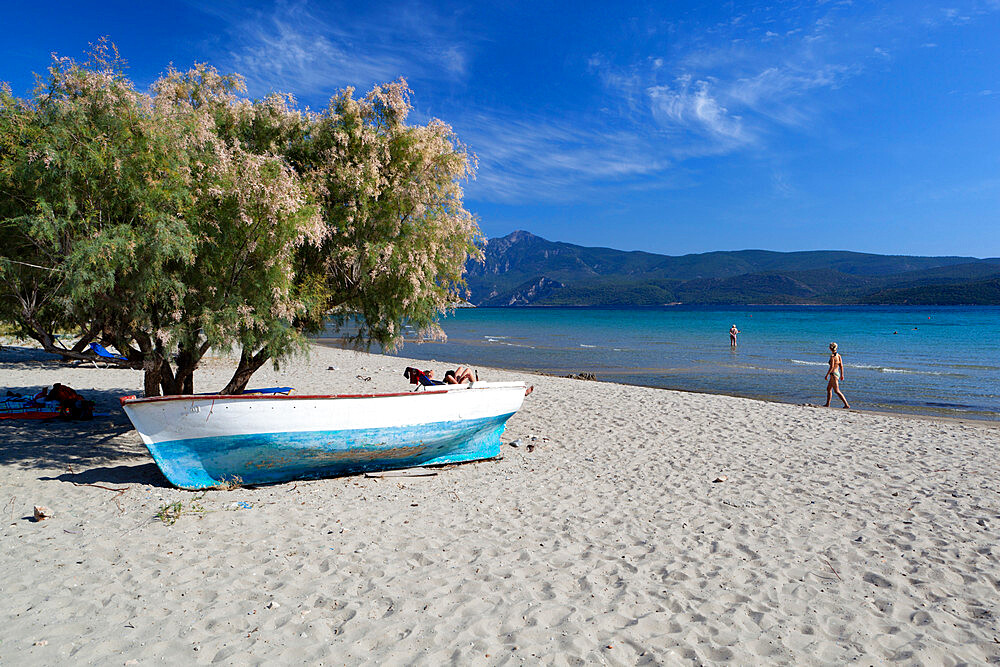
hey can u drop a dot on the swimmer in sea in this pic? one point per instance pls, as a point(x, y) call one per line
point(834, 376)
point(732, 336)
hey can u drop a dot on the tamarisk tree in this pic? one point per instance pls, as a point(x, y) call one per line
point(191, 218)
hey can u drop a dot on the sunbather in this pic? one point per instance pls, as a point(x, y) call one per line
point(420, 378)
point(459, 375)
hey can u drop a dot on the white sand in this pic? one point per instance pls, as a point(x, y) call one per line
point(838, 536)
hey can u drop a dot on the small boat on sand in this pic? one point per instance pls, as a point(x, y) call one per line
point(210, 440)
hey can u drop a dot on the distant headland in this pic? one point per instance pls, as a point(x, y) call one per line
point(522, 269)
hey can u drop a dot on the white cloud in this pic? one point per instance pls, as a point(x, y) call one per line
point(777, 93)
point(954, 15)
point(693, 107)
point(297, 47)
point(454, 59)
point(532, 156)
point(278, 55)
point(696, 91)
point(734, 85)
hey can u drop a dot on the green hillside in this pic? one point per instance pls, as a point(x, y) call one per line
point(522, 269)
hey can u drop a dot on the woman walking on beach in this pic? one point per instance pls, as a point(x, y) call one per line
point(834, 376)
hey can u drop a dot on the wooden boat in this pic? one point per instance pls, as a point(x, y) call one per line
point(205, 441)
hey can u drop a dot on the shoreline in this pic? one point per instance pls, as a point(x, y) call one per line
point(993, 423)
point(763, 399)
point(326, 343)
point(641, 526)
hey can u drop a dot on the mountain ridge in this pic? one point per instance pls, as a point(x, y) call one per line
point(522, 269)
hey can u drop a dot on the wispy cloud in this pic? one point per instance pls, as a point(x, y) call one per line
point(780, 92)
point(534, 156)
point(283, 55)
point(295, 47)
point(684, 90)
point(736, 81)
point(735, 84)
point(692, 106)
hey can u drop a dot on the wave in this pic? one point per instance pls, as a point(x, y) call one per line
point(751, 367)
point(585, 345)
point(880, 369)
point(890, 369)
point(503, 340)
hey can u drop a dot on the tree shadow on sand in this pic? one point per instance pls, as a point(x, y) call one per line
point(16, 358)
point(104, 449)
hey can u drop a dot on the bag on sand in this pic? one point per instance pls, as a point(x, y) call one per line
point(71, 404)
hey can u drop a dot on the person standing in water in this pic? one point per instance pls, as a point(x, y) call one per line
point(732, 336)
point(834, 376)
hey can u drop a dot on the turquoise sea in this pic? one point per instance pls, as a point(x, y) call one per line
point(926, 360)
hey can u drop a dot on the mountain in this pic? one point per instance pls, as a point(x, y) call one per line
point(522, 269)
point(978, 293)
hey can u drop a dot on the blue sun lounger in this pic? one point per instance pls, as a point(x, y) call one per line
point(104, 355)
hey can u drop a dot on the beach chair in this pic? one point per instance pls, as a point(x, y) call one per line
point(420, 378)
point(106, 356)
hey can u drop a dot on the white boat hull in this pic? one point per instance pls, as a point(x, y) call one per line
point(204, 441)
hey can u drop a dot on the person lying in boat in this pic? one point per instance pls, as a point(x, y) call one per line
point(457, 376)
point(463, 374)
point(460, 375)
point(420, 378)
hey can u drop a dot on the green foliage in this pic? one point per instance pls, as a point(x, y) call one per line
point(977, 293)
point(397, 233)
point(90, 210)
point(192, 218)
point(169, 513)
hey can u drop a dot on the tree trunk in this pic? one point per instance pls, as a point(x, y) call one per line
point(151, 364)
point(88, 336)
point(49, 343)
point(186, 363)
point(151, 378)
point(168, 382)
point(249, 364)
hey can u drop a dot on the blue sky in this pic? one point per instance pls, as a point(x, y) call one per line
point(673, 127)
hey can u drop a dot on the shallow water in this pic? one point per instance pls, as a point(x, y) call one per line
point(926, 360)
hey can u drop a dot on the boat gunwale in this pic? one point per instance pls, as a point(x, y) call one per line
point(133, 400)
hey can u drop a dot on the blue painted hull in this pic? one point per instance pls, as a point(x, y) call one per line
point(198, 463)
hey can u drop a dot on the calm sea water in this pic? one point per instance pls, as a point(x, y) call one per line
point(927, 360)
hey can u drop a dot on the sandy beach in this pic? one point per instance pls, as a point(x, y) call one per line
point(836, 536)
